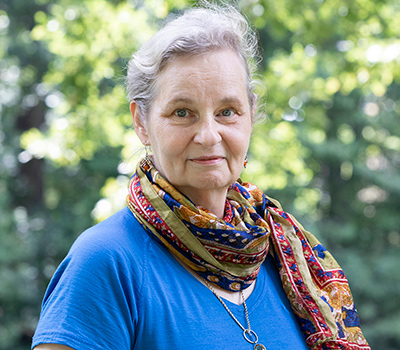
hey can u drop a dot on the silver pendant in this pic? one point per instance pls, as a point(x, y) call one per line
point(259, 347)
point(252, 338)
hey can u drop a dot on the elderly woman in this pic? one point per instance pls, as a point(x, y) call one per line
point(198, 259)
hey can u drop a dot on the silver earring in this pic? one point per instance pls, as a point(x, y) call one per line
point(246, 161)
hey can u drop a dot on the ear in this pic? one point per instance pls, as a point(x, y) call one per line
point(138, 124)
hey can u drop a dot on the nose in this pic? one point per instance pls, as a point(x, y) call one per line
point(207, 131)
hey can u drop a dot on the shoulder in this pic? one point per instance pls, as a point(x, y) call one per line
point(93, 297)
point(122, 224)
point(119, 233)
point(115, 247)
point(107, 255)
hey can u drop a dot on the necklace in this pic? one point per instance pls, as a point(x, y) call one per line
point(248, 333)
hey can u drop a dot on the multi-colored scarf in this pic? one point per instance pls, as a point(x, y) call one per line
point(230, 251)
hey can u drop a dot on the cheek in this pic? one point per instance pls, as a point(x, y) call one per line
point(240, 142)
point(167, 143)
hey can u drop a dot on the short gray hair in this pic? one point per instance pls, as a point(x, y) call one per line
point(197, 31)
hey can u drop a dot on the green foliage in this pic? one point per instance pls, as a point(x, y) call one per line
point(329, 149)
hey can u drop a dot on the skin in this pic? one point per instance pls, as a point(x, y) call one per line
point(199, 125)
point(52, 347)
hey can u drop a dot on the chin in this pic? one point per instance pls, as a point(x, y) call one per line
point(213, 181)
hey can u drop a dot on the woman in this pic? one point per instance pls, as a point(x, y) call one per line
point(199, 259)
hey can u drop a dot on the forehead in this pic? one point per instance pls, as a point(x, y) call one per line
point(219, 72)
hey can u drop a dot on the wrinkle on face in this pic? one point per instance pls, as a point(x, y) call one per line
point(202, 153)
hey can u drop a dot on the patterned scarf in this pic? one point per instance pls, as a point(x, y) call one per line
point(229, 252)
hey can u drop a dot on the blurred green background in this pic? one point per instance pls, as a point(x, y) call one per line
point(329, 149)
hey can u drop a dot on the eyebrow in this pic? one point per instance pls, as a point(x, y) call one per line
point(176, 100)
point(226, 100)
point(234, 100)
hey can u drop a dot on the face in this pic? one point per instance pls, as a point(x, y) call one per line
point(200, 123)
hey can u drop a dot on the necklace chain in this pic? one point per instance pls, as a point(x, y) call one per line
point(229, 311)
point(248, 333)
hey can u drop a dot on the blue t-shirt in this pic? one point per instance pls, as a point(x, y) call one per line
point(120, 289)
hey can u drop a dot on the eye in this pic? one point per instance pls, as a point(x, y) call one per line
point(181, 113)
point(227, 112)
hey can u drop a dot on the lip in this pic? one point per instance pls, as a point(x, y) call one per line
point(207, 160)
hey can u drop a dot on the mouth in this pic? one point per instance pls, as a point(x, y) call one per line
point(207, 160)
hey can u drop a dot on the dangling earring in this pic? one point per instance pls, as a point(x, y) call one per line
point(146, 162)
point(245, 161)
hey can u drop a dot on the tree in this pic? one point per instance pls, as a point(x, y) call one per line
point(332, 99)
point(328, 150)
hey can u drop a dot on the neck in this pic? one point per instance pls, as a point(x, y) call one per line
point(212, 200)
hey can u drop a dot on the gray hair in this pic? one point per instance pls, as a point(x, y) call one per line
point(197, 31)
